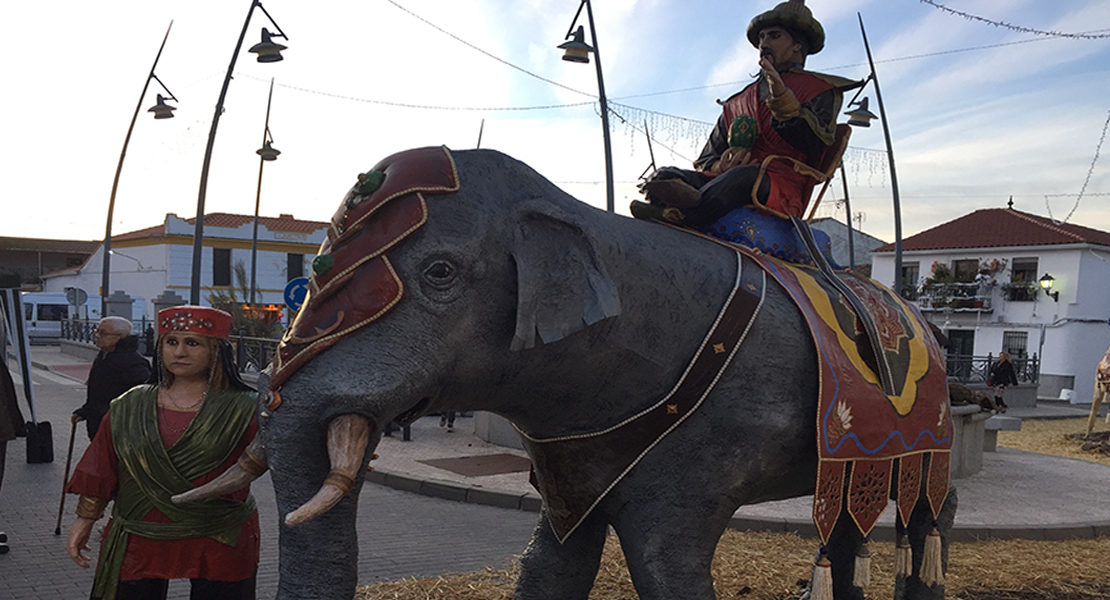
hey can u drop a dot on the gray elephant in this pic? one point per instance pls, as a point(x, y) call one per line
point(473, 283)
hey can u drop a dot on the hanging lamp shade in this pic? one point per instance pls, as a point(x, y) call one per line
point(267, 50)
point(577, 50)
point(861, 116)
point(268, 152)
point(162, 110)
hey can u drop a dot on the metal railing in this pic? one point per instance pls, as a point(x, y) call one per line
point(253, 353)
point(963, 297)
point(966, 368)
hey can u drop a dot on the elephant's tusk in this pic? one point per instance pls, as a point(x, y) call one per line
point(250, 466)
point(348, 436)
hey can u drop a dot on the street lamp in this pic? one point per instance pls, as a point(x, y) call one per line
point(861, 117)
point(577, 50)
point(161, 110)
point(1046, 283)
point(267, 52)
point(266, 153)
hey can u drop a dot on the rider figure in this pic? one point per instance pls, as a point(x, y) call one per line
point(788, 111)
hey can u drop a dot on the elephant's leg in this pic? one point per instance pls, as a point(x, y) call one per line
point(552, 570)
point(669, 549)
point(921, 523)
point(844, 544)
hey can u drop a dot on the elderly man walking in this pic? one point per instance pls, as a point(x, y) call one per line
point(118, 368)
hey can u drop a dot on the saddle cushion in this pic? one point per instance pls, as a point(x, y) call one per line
point(771, 235)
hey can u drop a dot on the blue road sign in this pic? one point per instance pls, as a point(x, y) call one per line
point(295, 291)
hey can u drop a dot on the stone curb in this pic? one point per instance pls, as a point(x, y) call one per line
point(531, 502)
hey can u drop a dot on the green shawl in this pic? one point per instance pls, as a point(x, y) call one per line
point(149, 474)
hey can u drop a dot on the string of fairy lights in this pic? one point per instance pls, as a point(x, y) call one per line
point(864, 165)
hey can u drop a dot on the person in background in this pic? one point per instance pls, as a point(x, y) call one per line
point(117, 368)
point(163, 439)
point(1002, 376)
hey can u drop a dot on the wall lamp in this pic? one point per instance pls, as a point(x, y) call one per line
point(1046, 283)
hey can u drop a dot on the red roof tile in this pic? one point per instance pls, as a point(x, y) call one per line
point(283, 223)
point(1000, 227)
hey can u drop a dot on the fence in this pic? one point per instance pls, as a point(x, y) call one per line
point(251, 353)
point(965, 368)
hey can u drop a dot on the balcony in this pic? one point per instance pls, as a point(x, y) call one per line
point(958, 297)
point(1019, 292)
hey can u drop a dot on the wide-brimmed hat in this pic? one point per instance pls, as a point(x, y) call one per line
point(200, 320)
point(793, 15)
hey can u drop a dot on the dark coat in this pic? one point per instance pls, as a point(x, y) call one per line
point(11, 420)
point(1002, 373)
point(112, 374)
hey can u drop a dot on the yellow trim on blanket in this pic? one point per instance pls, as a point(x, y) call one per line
point(919, 359)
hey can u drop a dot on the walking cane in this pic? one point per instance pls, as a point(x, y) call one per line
point(69, 457)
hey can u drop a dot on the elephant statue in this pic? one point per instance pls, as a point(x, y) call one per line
point(473, 283)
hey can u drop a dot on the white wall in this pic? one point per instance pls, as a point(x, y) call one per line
point(1076, 333)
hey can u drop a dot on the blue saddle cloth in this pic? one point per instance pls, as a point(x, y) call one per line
point(769, 234)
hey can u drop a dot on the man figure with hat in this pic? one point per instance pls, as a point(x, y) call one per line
point(787, 112)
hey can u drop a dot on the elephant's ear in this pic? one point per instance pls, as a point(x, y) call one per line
point(562, 285)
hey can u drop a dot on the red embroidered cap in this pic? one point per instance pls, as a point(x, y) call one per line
point(200, 320)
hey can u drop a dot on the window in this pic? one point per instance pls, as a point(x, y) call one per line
point(221, 266)
point(1023, 281)
point(1016, 343)
point(965, 270)
point(294, 266)
point(53, 312)
point(911, 272)
point(1024, 270)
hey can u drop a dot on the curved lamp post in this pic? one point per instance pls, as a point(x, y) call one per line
point(577, 50)
point(266, 153)
point(161, 110)
point(267, 51)
point(861, 117)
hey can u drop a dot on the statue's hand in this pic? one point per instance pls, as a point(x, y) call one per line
point(774, 80)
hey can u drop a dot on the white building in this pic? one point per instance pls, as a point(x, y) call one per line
point(150, 261)
point(977, 278)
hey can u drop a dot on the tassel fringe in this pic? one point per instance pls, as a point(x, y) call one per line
point(821, 587)
point(862, 576)
point(932, 572)
point(903, 557)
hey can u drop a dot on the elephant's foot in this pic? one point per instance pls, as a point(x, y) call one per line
point(553, 571)
point(921, 524)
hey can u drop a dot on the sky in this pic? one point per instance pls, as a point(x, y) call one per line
point(978, 113)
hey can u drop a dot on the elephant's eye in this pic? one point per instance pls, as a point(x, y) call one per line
point(440, 273)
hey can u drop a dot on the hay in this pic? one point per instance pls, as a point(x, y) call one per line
point(770, 566)
point(1055, 437)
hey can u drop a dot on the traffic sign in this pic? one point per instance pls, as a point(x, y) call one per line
point(76, 296)
point(295, 292)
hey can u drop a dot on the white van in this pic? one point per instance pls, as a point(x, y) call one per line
point(45, 311)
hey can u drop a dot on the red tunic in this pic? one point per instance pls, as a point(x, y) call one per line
point(790, 190)
point(192, 558)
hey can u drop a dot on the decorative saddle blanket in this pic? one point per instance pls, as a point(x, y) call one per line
point(862, 431)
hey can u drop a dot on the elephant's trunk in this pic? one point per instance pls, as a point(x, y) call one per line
point(348, 436)
point(250, 466)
